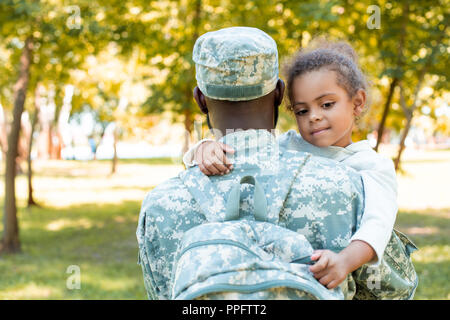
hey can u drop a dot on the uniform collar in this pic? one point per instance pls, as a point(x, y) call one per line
point(238, 139)
point(253, 146)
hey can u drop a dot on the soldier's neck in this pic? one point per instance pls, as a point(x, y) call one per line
point(224, 130)
point(242, 115)
point(226, 122)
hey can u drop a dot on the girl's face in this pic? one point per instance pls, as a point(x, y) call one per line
point(324, 111)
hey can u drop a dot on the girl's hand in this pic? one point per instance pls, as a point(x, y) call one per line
point(330, 269)
point(211, 159)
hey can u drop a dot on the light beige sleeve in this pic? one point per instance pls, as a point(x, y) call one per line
point(380, 210)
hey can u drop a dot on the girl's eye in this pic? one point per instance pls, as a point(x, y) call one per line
point(301, 112)
point(328, 105)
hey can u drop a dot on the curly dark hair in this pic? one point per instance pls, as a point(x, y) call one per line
point(339, 57)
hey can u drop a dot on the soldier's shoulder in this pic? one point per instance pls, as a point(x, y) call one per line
point(167, 194)
point(317, 163)
point(332, 165)
point(296, 155)
point(171, 184)
point(330, 170)
point(290, 156)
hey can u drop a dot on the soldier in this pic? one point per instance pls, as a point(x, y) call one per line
point(239, 90)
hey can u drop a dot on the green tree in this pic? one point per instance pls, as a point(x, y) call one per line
point(165, 31)
point(37, 35)
point(405, 54)
point(413, 51)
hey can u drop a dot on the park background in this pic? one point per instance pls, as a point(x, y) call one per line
point(96, 109)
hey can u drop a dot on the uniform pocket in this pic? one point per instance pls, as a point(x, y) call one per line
point(409, 246)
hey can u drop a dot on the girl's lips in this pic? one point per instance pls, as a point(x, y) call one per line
point(319, 131)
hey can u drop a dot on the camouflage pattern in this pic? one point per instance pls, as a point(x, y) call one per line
point(238, 63)
point(245, 257)
point(395, 278)
point(268, 294)
point(323, 202)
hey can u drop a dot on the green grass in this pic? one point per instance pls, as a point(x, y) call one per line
point(99, 239)
point(430, 231)
point(88, 219)
point(164, 160)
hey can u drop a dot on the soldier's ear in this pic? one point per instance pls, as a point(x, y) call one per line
point(279, 92)
point(200, 99)
point(275, 117)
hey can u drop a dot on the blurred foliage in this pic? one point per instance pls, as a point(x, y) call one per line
point(150, 43)
point(60, 42)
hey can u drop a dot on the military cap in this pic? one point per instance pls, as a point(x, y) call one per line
point(235, 64)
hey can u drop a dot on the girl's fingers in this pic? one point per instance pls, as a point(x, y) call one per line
point(226, 161)
point(204, 170)
point(316, 255)
point(211, 168)
point(216, 162)
point(326, 280)
point(333, 284)
point(226, 148)
point(321, 274)
point(319, 265)
point(219, 153)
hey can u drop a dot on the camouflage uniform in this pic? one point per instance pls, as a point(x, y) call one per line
point(324, 205)
point(323, 202)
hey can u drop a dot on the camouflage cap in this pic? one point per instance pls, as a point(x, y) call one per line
point(238, 63)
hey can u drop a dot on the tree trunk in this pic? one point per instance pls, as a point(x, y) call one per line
point(50, 140)
point(409, 112)
point(402, 142)
point(114, 160)
point(387, 106)
point(300, 40)
point(54, 142)
point(56, 145)
point(31, 201)
point(10, 241)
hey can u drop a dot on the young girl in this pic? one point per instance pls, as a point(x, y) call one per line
point(327, 92)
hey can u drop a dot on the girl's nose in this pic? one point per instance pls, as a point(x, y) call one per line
point(315, 116)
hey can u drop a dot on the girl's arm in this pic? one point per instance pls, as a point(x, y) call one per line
point(380, 211)
point(380, 198)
